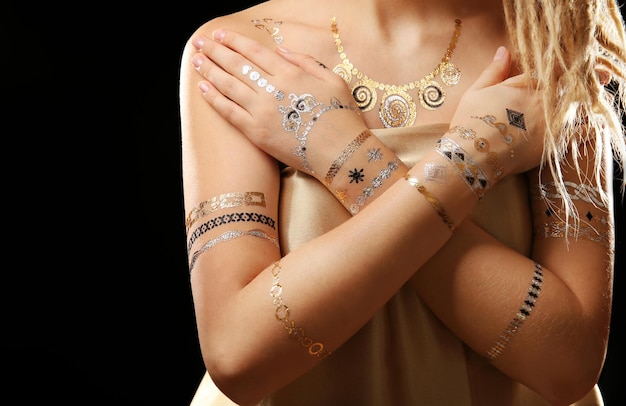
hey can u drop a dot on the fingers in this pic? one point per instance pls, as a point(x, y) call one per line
point(238, 90)
point(497, 71)
point(307, 63)
point(252, 51)
point(224, 106)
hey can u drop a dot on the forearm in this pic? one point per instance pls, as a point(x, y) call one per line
point(332, 285)
point(476, 285)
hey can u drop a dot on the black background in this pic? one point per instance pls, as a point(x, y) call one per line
point(97, 301)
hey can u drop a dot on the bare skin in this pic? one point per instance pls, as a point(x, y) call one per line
point(245, 349)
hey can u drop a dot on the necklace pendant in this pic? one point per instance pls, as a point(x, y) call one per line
point(431, 95)
point(344, 70)
point(364, 95)
point(397, 108)
point(450, 75)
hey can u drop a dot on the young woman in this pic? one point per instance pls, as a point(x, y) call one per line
point(403, 202)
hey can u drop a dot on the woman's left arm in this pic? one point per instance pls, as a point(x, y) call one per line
point(554, 341)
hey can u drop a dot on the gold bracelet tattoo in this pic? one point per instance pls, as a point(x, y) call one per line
point(345, 154)
point(283, 314)
point(413, 181)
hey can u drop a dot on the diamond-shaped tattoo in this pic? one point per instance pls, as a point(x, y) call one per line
point(516, 119)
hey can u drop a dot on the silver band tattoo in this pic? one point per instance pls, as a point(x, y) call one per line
point(255, 76)
point(225, 201)
point(227, 236)
point(469, 170)
point(524, 312)
point(584, 230)
point(304, 111)
point(583, 192)
point(376, 183)
point(345, 154)
point(595, 228)
point(227, 219)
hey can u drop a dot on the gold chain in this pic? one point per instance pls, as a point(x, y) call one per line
point(397, 108)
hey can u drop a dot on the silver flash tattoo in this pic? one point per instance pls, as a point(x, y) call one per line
point(295, 116)
point(261, 81)
point(435, 173)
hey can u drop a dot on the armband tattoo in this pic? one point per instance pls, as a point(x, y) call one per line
point(524, 312)
point(224, 201)
point(583, 192)
point(226, 219)
point(228, 236)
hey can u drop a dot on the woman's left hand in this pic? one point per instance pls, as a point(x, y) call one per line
point(286, 103)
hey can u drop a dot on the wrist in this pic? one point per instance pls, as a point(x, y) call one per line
point(361, 171)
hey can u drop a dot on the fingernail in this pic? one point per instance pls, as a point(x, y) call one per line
point(204, 87)
point(218, 35)
point(499, 53)
point(196, 61)
point(283, 50)
point(198, 42)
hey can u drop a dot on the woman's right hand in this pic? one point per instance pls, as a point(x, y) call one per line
point(287, 104)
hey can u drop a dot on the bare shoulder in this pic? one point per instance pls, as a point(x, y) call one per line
point(294, 24)
point(248, 21)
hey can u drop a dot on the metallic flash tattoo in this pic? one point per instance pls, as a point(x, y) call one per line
point(305, 111)
point(376, 183)
point(469, 170)
point(283, 314)
point(345, 154)
point(224, 201)
point(524, 312)
point(227, 236)
point(226, 219)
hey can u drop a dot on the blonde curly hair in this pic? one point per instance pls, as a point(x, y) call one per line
point(575, 50)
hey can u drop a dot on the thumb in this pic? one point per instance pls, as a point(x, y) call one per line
point(496, 71)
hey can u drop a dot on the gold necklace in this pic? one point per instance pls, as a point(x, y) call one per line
point(397, 108)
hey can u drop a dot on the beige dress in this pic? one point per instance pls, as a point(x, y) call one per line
point(404, 355)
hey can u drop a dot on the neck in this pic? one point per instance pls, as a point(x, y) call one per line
point(393, 19)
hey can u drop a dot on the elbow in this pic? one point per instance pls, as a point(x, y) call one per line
point(574, 380)
point(568, 391)
point(233, 377)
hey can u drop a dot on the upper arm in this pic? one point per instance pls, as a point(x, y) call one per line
point(229, 185)
point(579, 252)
